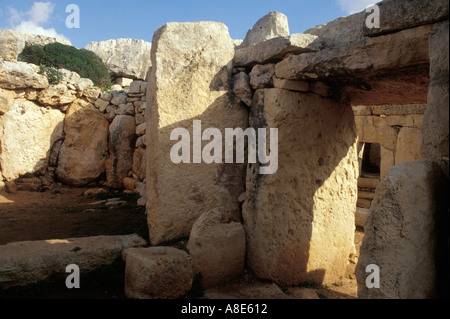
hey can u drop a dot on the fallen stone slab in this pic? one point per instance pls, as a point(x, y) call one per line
point(23, 263)
point(276, 49)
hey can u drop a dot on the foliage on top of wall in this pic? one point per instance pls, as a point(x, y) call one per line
point(86, 63)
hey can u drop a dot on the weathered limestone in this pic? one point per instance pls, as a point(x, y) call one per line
point(300, 221)
point(394, 51)
point(128, 58)
point(276, 49)
point(242, 89)
point(122, 139)
point(56, 95)
point(435, 129)
point(408, 145)
point(217, 248)
point(27, 134)
point(189, 81)
point(83, 154)
point(272, 25)
point(20, 75)
point(400, 233)
point(24, 263)
point(413, 13)
point(262, 76)
point(6, 101)
point(301, 86)
point(140, 163)
point(157, 273)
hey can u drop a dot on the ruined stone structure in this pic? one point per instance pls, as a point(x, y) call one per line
point(362, 121)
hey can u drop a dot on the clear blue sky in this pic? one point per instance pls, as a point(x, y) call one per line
point(103, 20)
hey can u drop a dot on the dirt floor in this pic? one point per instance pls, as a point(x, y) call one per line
point(67, 213)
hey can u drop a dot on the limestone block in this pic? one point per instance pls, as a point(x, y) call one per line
point(24, 263)
point(6, 101)
point(10, 46)
point(101, 105)
point(85, 148)
point(276, 49)
point(189, 81)
point(270, 26)
point(409, 120)
point(157, 273)
point(122, 138)
point(119, 98)
point(408, 145)
point(217, 248)
point(140, 163)
point(262, 76)
point(387, 160)
point(242, 89)
point(28, 133)
point(300, 221)
point(403, 109)
point(124, 57)
point(435, 129)
point(20, 75)
point(56, 95)
point(400, 234)
point(301, 86)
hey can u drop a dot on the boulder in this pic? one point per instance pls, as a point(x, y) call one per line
point(122, 138)
point(56, 95)
point(262, 76)
point(157, 273)
point(140, 163)
point(129, 58)
point(270, 26)
point(21, 75)
point(400, 234)
point(24, 263)
point(84, 151)
point(189, 81)
point(300, 220)
point(28, 133)
point(217, 248)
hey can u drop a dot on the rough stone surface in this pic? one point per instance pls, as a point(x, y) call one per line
point(6, 101)
point(122, 139)
point(217, 248)
point(56, 95)
point(408, 145)
point(189, 81)
point(400, 234)
point(435, 129)
point(270, 26)
point(20, 75)
point(301, 86)
point(413, 13)
point(83, 154)
point(394, 51)
point(262, 76)
point(128, 58)
point(140, 163)
point(300, 221)
point(157, 273)
point(242, 89)
point(24, 263)
point(404, 109)
point(276, 49)
point(27, 134)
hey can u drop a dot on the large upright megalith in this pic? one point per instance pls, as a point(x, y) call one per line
point(299, 221)
point(190, 80)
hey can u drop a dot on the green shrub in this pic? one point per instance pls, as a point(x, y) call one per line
point(54, 76)
point(56, 55)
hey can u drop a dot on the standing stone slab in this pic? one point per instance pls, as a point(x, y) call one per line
point(27, 134)
point(300, 221)
point(85, 148)
point(272, 25)
point(122, 138)
point(189, 81)
point(400, 234)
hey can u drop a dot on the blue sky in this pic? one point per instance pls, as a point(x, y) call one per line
point(103, 20)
